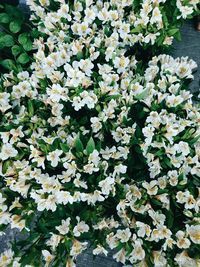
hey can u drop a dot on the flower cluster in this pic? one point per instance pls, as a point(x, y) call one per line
point(147, 22)
point(94, 151)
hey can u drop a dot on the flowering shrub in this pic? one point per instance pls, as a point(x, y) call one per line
point(96, 149)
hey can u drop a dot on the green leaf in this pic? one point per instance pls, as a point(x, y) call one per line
point(23, 58)
point(79, 55)
point(14, 12)
point(8, 64)
point(6, 165)
point(16, 50)
point(6, 40)
point(15, 26)
point(4, 18)
point(30, 108)
point(28, 45)
point(90, 146)
point(23, 38)
point(142, 95)
point(170, 218)
point(64, 147)
point(172, 32)
point(194, 140)
point(178, 36)
point(79, 145)
point(138, 29)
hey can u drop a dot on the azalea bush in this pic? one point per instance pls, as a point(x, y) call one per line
point(96, 148)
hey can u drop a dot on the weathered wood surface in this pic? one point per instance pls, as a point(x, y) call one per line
point(189, 46)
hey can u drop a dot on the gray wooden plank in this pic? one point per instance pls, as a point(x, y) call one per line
point(189, 46)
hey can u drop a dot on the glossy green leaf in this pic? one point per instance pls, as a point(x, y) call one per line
point(142, 95)
point(23, 58)
point(23, 38)
point(8, 64)
point(79, 145)
point(90, 146)
point(172, 32)
point(64, 147)
point(15, 26)
point(7, 40)
point(16, 49)
point(4, 18)
point(28, 46)
point(30, 108)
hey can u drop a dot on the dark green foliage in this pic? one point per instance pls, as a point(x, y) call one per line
point(16, 38)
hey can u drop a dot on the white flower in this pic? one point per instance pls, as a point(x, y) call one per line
point(70, 263)
point(123, 235)
point(120, 169)
point(54, 157)
point(194, 233)
point(80, 228)
point(100, 250)
point(7, 151)
point(156, 16)
point(138, 252)
point(89, 15)
point(121, 63)
point(159, 259)
point(48, 257)
point(86, 66)
point(54, 241)
point(78, 247)
point(158, 218)
point(173, 177)
point(75, 76)
point(184, 9)
point(184, 260)
point(120, 256)
point(182, 241)
point(77, 103)
point(6, 257)
point(63, 197)
point(4, 102)
point(95, 124)
point(144, 229)
point(94, 158)
point(151, 187)
point(63, 229)
point(107, 185)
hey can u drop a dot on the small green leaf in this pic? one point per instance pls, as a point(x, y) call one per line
point(16, 50)
point(14, 12)
point(142, 95)
point(23, 38)
point(79, 145)
point(138, 29)
point(6, 40)
point(170, 218)
point(28, 46)
point(6, 165)
point(90, 146)
point(79, 55)
point(64, 147)
point(8, 64)
point(178, 36)
point(15, 26)
point(4, 18)
point(30, 108)
point(23, 58)
point(172, 32)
